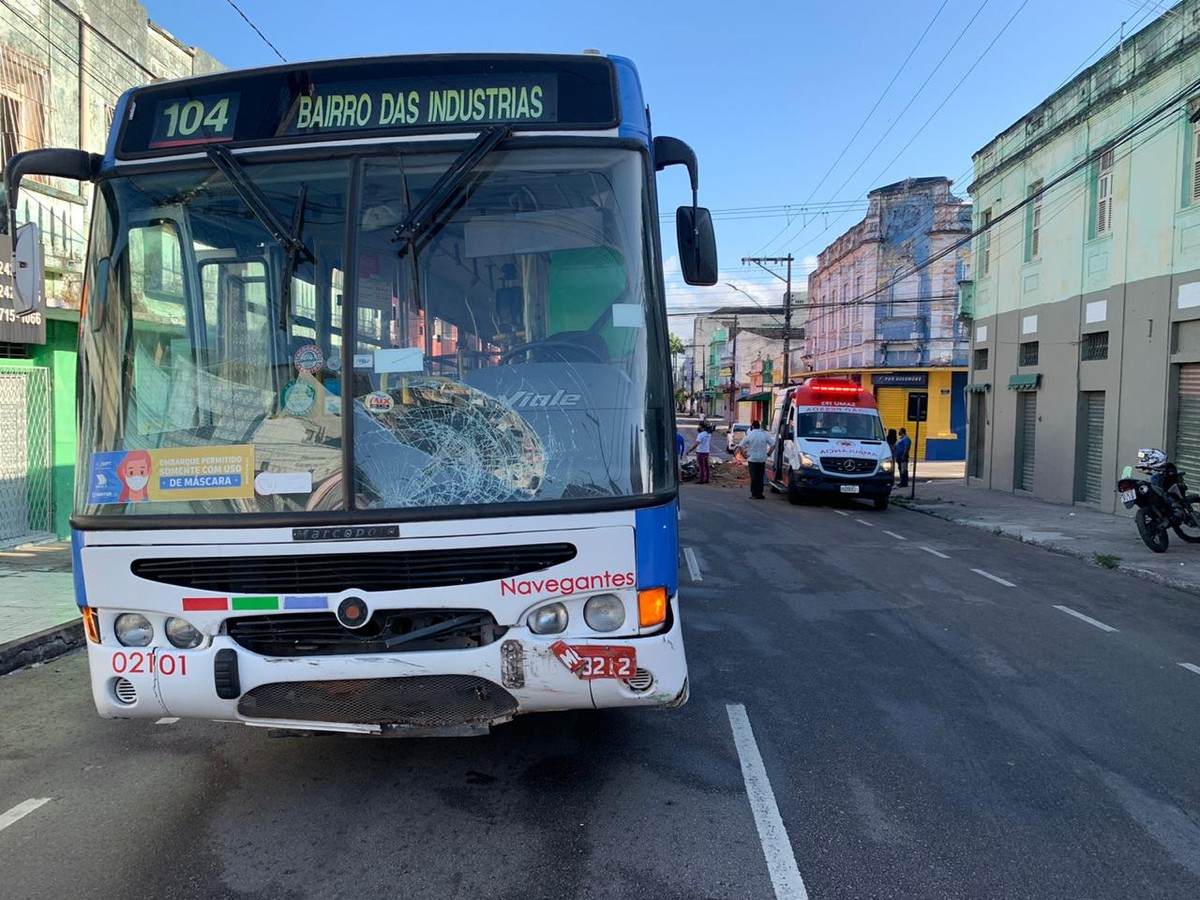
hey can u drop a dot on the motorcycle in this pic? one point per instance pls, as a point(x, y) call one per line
point(1162, 501)
point(689, 469)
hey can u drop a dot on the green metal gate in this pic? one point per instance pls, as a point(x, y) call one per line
point(26, 497)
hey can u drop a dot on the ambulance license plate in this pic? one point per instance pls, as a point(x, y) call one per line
point(849, 488)
point(591, 661)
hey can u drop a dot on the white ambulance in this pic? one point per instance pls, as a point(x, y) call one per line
point(829, 440)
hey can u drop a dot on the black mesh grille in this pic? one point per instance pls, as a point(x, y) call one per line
point(847, 465)
point(332, 573)
point(387, 631)
point(429, 700)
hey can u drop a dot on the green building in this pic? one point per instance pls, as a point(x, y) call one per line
point(1085, 286)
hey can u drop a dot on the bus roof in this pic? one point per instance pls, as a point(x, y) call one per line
point(380, 97)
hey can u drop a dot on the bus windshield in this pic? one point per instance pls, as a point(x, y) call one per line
point(312, 356)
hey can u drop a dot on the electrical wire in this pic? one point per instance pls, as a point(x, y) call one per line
point(257, 30)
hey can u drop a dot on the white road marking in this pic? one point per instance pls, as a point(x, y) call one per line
point(995, 578)
point(777, 847)
point(20, 811)
point(167, 720)
point(1088, 619)
point(841, 512)
point(935, 552)
point(1191, 668)
point(865, 522)
point(898, 537)
point(693, 567)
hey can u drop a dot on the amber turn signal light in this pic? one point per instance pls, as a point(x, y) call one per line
point(652, 606)
point(91, 624)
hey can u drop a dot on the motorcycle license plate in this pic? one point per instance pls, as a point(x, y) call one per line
point(1128, 497)
point(590, 662)
point(849, 489)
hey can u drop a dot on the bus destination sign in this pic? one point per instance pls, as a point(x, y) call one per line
point(323, 101)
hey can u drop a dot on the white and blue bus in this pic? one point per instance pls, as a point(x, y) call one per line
point(376, 423)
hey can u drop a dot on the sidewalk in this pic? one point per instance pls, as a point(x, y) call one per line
point(1079, 531)
point(38, 616)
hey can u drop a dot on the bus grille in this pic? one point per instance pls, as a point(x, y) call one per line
point(423, 700)
point(848, 465)
point(387, 631)
point(332, 573)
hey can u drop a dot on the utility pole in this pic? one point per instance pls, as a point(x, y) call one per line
point(733, 376)
point(762, 262)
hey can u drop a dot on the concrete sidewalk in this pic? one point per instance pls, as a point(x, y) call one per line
point(38, 616)
point(1080, 531)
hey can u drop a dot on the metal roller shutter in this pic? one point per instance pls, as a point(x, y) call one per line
point(1093, 452)
point(1026, 438)
point(978, 431)
point(1186, 453)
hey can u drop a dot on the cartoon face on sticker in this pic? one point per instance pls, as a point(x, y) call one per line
point(309, 358)
point(379, 403)
point(299, 397)
point(134, 472)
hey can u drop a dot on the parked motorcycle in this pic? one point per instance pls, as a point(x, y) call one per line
point(1162, 501)
point(689, 469)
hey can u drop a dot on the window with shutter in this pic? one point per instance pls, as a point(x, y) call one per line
point(1196, 162)
point(1104, 194)
point(1033, 245)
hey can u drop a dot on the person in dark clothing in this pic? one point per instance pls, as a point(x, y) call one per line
point(903, 445)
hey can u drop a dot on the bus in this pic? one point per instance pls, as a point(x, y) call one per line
point(376, 422)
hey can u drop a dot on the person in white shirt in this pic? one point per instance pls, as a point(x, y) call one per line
point(754, 447)
point(703, 446)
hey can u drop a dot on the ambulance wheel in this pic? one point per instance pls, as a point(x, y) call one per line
point(794, 496)
point(881, 502)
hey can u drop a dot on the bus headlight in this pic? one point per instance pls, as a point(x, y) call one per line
point(604, 612)
point(133, 630)
point(549, 619)
point(182, 634)
point(886, 465)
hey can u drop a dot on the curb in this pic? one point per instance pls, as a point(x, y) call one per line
point(1144, 574)
point(41, 647)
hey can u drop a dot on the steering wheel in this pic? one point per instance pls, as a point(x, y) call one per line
point(508, 355)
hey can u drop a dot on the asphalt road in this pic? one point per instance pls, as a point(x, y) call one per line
point(930, 724)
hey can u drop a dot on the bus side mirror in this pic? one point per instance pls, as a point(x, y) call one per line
point(28, 270)
point(697, 245)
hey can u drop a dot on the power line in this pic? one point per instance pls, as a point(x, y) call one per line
point(256, 30)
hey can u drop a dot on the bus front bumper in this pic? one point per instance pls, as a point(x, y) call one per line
point(429, 691)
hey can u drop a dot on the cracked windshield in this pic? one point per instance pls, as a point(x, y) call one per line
point(499, 347)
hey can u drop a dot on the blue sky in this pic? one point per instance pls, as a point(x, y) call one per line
point(768, 94)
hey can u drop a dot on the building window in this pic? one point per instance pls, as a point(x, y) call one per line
point(985, 243)
point(1104, 194)
point(22, 104)
point(1094, 346)
point(1196, 162)
point(1033, 242)
point(1029, 353)
point(981, 359)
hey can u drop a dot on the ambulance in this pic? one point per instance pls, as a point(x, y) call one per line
point(829, 440)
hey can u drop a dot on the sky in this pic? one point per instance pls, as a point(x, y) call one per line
point(795, 109)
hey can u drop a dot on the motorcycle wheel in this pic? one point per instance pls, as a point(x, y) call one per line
point(1148, 526)
point(1189, 530)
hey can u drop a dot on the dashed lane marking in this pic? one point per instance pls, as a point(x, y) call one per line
point(1191, 668)
point(841, 512)
point(167, 720)
point(20, 811)
point(1082, 617)
point(777, 847)
point(865, 522)
point(936, 553)
point(693, 567)
point(898, 537)
point(995, 578)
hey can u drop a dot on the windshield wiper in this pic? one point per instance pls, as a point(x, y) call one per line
point(294, 249)
point(447, 186)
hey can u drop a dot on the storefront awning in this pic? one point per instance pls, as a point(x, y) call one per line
point(1024, 382)
point(978, 388)
point(761, 397)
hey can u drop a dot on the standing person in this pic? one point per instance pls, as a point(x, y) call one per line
point(891, 442)
point(680, 449)
point(903, 444)
point(755, 446)
point(703, 446)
